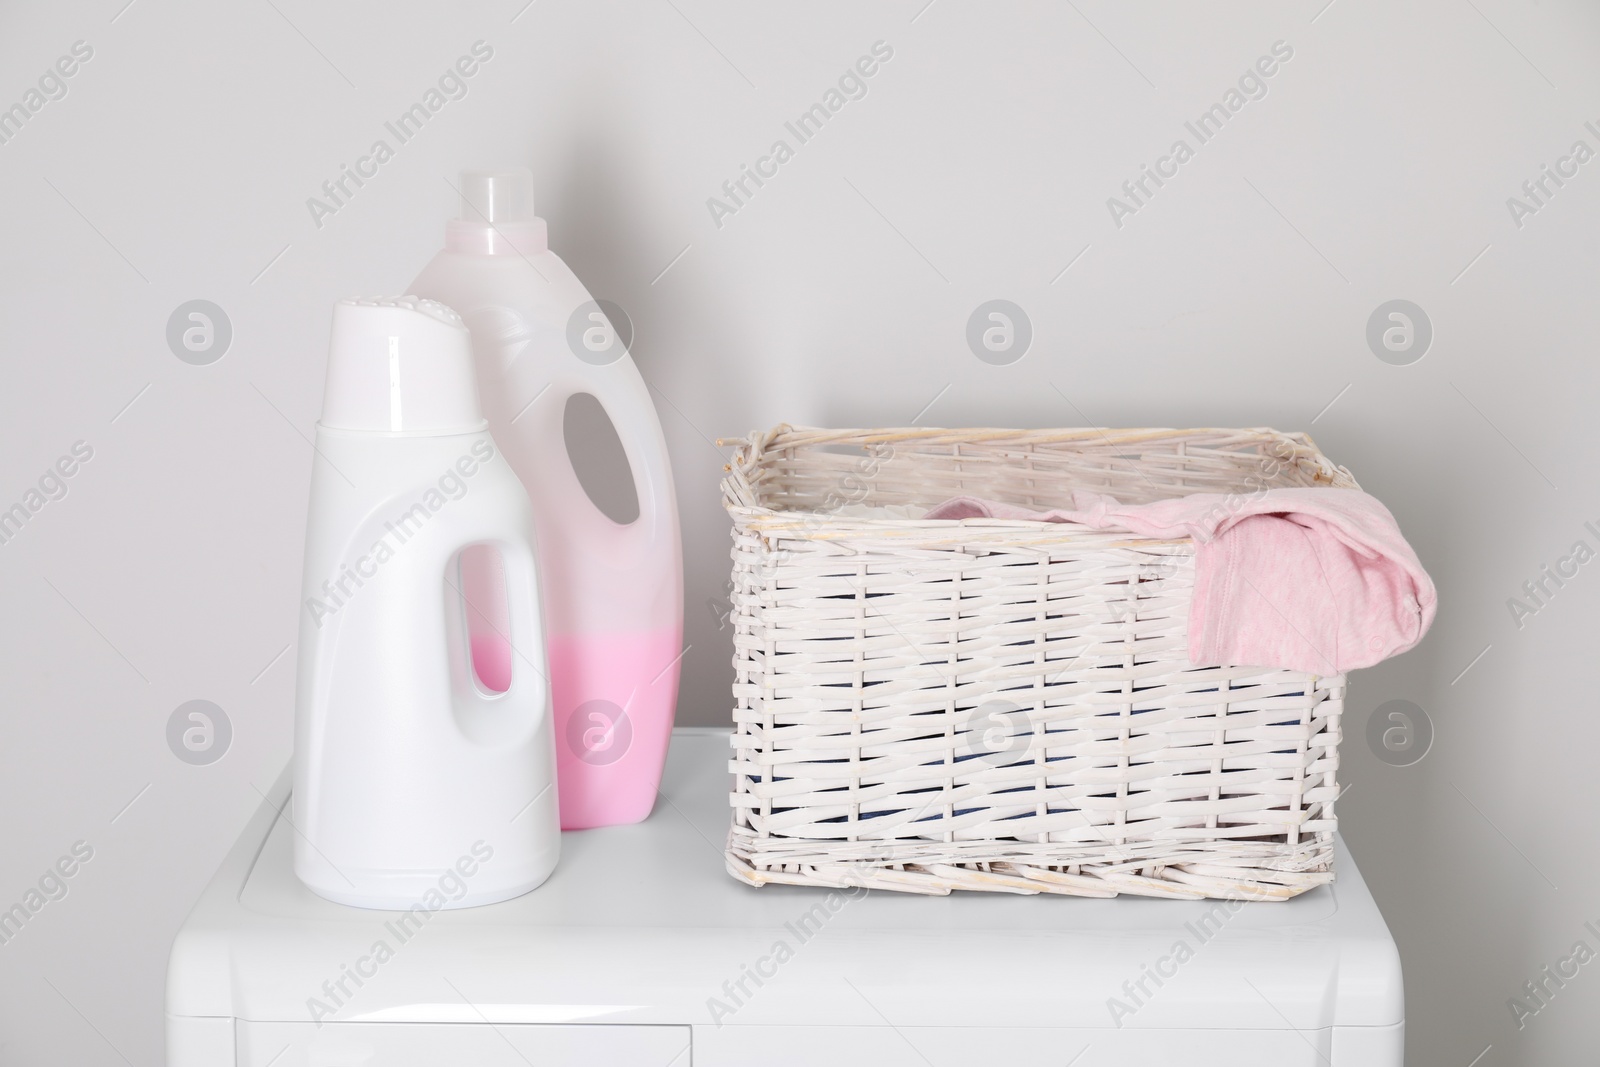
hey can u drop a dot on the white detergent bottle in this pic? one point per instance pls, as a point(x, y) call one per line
point(613, 593)
point(419, 780)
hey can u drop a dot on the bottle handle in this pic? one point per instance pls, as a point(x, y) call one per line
point(515, 639)
point(626, 401)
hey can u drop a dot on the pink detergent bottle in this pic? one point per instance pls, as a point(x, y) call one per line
point(613, 593)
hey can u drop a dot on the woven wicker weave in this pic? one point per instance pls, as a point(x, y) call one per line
point(925, 705)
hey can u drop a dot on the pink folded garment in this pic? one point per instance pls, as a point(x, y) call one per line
point(1314, 580)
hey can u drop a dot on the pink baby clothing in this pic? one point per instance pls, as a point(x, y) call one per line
point(1314, 580)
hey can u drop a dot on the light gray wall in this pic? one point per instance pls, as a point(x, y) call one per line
point(978, 166)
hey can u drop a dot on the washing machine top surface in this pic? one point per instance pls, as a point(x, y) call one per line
point(642, 924)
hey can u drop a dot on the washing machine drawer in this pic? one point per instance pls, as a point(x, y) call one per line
point(450, 1044)
point(960, 1046)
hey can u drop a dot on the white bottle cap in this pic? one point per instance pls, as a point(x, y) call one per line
point(497, 195)
point(400, 364)
point(497, 215)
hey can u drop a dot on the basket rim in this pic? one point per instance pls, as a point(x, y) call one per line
point(740, 498)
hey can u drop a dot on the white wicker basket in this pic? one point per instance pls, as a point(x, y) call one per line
point(926, 705)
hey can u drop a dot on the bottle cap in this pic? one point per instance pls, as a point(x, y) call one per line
point(400, 364)
point(492, 196)
point(497, 215)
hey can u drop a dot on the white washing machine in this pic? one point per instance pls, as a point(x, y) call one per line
point(642, 950)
